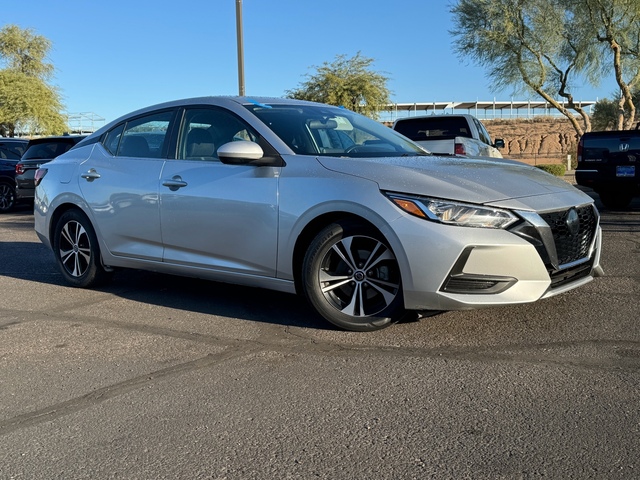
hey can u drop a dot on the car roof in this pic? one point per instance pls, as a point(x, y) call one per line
point(612, 133)
point(222, 101)
point(219, 100)
point(57, 139)
point(434, 116)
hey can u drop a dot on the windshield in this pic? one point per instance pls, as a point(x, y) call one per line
point(332, 131)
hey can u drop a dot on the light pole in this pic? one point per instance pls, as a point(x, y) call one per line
point(240, 48)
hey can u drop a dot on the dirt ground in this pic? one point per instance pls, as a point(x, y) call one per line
point(537, 141)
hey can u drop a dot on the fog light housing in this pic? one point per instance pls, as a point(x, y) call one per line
point(474, 284)
point(477, 284)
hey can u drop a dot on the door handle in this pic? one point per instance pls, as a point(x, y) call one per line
point(175, 183)
point(91, 175)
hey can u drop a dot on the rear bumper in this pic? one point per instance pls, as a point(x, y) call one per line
point(25, 193)
point(599, 181)
point(25, 188)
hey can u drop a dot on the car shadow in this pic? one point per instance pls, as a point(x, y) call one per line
point(33, 261)
point(214, 298)
point(624, 220)
point(223, 299)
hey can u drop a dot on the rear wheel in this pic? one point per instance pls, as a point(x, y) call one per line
point(7, 197)
point(77, 252)
point(352, 277)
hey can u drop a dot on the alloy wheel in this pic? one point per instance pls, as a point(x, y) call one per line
point(359, 276)
point(7, 197)
point(74, 248)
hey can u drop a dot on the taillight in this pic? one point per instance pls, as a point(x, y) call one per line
point(19, 169)
point(459, 149)
point(580, 150)
point(39, 175)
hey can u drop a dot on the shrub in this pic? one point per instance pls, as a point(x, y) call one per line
point(557, 169)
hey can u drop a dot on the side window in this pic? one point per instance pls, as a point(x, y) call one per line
point(141, 137)
point(112, 139)
point(484, 135)
point(12, 152)
point(206, 129)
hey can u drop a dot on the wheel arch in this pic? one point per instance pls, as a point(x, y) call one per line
point(58, 212)
point(66, 206)
point(311, 230)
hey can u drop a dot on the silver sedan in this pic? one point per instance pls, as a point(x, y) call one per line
point(312, 199)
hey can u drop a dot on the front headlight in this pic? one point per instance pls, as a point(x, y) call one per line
point(453, 213)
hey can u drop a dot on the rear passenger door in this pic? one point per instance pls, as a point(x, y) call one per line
point(119, 181)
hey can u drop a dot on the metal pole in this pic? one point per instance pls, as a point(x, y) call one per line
point(241, 91)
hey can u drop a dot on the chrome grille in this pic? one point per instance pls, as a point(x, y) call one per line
point(572, 246)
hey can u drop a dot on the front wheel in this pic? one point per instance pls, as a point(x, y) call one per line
point(352, 277)
point(77, 252)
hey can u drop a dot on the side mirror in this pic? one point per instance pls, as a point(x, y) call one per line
point(499, 143)
point(240, 152)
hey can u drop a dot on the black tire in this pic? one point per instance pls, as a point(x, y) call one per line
point(616, 200)
point(352, 278)
point(7, 197)
point(77, 252)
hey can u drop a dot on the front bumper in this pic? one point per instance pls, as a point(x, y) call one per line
point(464, 268)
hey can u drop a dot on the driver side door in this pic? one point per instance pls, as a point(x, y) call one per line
point(212, 215)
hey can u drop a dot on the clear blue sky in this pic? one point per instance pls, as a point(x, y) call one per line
point(116, 56)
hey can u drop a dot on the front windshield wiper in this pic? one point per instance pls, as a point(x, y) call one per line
point(417, 154)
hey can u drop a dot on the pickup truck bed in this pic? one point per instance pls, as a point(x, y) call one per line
point(450, 135)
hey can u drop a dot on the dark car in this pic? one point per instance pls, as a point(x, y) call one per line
point(39, 151)
point(608, 162)
point(11, 150)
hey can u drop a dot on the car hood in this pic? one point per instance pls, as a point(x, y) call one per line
point(498, 182)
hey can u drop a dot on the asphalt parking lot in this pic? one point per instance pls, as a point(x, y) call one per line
point(156, 376)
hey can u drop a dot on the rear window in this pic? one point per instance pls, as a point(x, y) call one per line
point(609, 146)
point(50, 149)
point(12, 150)
point(437, 128)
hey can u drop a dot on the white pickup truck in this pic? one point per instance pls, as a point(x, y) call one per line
point(450, 135)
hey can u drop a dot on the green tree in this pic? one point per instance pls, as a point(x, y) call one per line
point(347, 82)
point(606, 113)
point(548, 46)
point(616, 27)
point(27, 102)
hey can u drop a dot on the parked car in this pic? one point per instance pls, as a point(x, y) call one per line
point(304, 197)
point(39, 151)
point(11, 149)
point(608, 162)
point(460, 134)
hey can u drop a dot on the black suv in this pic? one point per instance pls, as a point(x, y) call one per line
point(11, 150)
point(608, 162)
point(39, 151)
